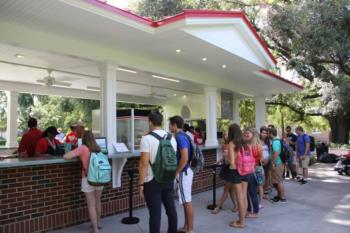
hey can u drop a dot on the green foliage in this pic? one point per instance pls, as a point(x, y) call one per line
point(247, 112)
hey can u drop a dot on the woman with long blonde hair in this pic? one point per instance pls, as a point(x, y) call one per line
point(252, 137)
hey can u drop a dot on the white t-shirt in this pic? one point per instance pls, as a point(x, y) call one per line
point(149, 144)
point(190, 135)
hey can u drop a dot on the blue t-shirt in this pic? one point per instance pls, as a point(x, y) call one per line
point(301, 142)
point(182, 143)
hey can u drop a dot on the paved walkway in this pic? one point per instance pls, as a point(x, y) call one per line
point(322, 205)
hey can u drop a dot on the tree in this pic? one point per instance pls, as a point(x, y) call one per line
point(313, 38)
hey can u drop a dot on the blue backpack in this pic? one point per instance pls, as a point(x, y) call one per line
point(99, 172)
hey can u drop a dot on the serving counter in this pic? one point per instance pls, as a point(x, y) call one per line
point(41, 194)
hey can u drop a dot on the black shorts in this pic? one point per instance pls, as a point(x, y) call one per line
point(234, 177)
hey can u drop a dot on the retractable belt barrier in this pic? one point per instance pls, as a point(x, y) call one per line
point(214, 168)
point(131, 220)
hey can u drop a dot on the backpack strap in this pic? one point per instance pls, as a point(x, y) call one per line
point(156, 136)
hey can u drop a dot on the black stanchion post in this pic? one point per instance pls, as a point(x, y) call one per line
point(213, 206)
point(131, 220)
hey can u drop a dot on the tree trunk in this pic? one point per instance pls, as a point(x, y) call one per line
point(340, 128)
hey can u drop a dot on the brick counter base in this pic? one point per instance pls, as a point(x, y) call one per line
point(47, 197)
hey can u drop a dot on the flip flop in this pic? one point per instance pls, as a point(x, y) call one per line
point(216, 210)
point(252, 216)
point(236, 224)
point(234, 210)
point(99, 227)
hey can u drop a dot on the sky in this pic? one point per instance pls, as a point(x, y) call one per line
point(123, 4)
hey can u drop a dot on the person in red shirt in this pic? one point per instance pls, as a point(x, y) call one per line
point(72, 137)
point(48, 144)
point(198, 137)
point(29, 139)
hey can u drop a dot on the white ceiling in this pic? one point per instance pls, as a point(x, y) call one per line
point(122, 36)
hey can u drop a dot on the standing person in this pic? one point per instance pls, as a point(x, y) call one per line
point(292, 139)
point(72, 137)
point(264, 138)
point(198, 139)
point(29, 139)
point(238, 183)
point(228, 190)
point(276, 166)
point(303, 152)
point(92, 193)
point(156, 193)
point(251, 136)
point(60, 135)
point(47, 144)
point(187, 129)
point(184, 174)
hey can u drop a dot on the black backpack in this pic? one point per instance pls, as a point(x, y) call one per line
point(196, 158)
point(284, 155)
point(312, 142)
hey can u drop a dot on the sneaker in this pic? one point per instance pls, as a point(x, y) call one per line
point(275, 199)
point(299, 178)
point(303, 181)
point(283, 200)
point(182, 230)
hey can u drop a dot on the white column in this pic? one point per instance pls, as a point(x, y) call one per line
point(12, 117)
point(260, 111)
point(235, 118)
point(108, 104)
point(211, 127)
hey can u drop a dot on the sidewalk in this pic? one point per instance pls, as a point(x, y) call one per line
point(322, 205)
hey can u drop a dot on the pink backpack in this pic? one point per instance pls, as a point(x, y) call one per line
point(245, 162)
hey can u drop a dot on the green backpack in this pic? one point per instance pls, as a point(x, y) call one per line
point(165, 164)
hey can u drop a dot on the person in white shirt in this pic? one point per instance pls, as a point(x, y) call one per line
point(156, 193)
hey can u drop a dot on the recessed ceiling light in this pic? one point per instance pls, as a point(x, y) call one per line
point(127, 70)
point(185, 96)
point(19, 55)
point(174, 95)
point(224, 66)
point(164, 78)
point(178, 50)
point(204, 59)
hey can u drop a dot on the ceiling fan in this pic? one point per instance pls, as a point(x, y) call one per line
point(153, 94)
point(51, 81)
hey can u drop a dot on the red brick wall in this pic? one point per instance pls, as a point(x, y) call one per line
point(46, 197)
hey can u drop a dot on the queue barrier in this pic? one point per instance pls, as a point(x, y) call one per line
point(213, 167)
point(131, 219)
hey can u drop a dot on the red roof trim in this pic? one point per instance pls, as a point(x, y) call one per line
point(269, 73)
point(186, 14)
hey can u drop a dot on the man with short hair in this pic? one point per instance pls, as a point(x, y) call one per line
point(292, 138)
point(29, 139)
point(184, 174)
point(302, 147)
point(156, 193)
point(276, 166)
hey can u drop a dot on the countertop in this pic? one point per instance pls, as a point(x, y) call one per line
point(22, 162)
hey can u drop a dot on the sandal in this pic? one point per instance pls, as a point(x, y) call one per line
point(236, 224)
point(216, 210)
point(234, 210)
point(252, 215)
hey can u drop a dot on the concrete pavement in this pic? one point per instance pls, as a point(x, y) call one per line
point(322, 205)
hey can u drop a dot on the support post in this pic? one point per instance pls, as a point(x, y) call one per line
point(260, 111)
point(211, 125)
point(235, 118)
point(12, 117)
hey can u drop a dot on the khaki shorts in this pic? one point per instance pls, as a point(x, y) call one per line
point(86, 188)
point(304, 163)
point(276, 174)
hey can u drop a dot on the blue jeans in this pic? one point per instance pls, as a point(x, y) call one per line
point(252, 195)
point(156, 194)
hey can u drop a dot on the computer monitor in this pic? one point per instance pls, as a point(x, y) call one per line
point(80, 141)
point(102, 143)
